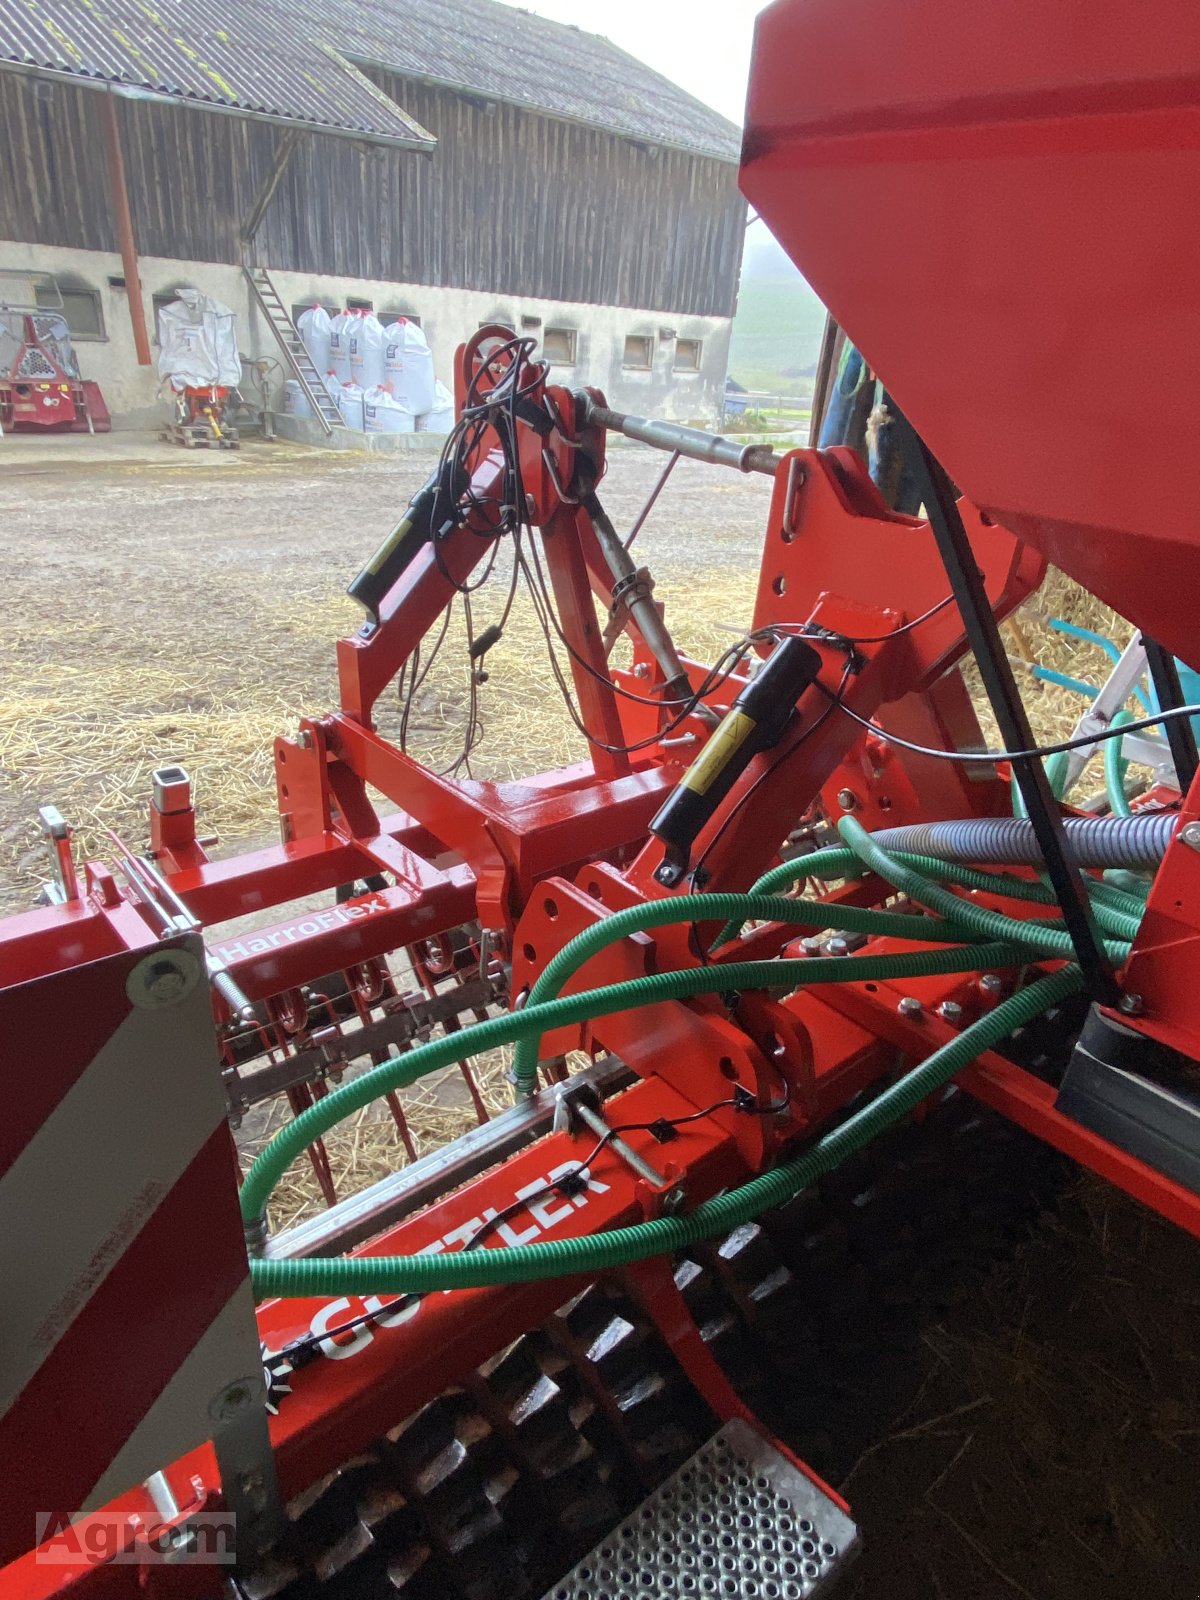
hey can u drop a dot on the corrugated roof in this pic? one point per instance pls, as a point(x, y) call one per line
point(294, 62)
point(246, 56)
point(506, 53)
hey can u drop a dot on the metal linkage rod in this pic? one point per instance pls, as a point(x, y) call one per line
point(690, 442)
point(983, 635)
point(633, 592)
point(651, 498)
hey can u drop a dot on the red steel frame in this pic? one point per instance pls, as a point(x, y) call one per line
point(538, 861)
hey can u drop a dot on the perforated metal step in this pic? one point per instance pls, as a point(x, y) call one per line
point(737, 1520)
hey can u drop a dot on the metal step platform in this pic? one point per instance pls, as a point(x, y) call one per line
point(737, 1520)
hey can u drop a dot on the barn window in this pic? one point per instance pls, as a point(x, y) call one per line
point(81, 307)
point(160, 302)
point(558, 346)
point(42, 291)
point(388, 317)
point(85, 317)
point(168, 297)
point(687, 355)
point(23, 291)
point(299, 309)
point(639, 351)
point(359, 305)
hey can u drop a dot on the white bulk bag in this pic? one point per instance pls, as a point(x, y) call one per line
point(314, 327)
point(408, 366)
point(367, 342)
point(295, 401)
point(441, 418)
point(383, 413)
point(197, 343)
point(339, 346)
point(350, 404)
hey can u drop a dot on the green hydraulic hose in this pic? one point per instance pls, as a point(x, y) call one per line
point(1104, 892)
point(706, 907)
point(960, 915)
point(533, 1020)
point(1129, 885)
point(1112, 915)
point(620, 1246)
point(931, 866)
point(1115, 768)
point(1056, 776)
point(1039, 936)
point(1123, 925)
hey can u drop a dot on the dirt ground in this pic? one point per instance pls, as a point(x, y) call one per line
point(188, 613)
point(1047, 1440)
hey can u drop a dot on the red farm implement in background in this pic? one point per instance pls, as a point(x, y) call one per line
point(40, 385)
point(777, 922)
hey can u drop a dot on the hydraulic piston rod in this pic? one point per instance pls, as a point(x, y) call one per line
point(632, 591)
point(690, 442)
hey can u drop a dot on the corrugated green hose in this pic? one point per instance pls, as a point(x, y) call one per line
point(1115, 767)
point(1037, 935)
point(706, 908)
point(1056, 776)
point(1104, 892)
point(621, 1246)
point(966, 877)
point(962, 919)
point(1113, 916)
point(1130, 886)
point(531, 1022)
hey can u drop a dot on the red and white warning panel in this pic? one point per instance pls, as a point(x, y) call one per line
point(124, 1331)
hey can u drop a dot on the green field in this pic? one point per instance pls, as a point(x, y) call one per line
point(776, 335)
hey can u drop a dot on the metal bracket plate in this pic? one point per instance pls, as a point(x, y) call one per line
point(1140, 1096)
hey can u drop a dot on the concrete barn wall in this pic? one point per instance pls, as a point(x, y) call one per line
point(448, 316)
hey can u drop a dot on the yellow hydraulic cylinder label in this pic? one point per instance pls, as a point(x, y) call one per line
point(718, 752)
point(393, 541)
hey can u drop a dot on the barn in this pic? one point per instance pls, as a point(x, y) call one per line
point(454, 161)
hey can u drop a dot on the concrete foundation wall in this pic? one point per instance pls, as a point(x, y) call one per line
point(448, 316)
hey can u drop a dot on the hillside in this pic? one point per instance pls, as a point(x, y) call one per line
point(778, 326)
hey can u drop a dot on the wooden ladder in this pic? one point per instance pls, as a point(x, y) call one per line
point(298, 361)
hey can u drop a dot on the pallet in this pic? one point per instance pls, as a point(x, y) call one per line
point(194, 436)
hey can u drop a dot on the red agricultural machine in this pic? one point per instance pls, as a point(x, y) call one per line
point(763, 956)
point(40, 385)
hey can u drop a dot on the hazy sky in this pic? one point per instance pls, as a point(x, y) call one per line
point(700, 44)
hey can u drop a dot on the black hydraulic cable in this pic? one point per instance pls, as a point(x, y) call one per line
point(972, 758)
point(983, 635)
point(1164, 675)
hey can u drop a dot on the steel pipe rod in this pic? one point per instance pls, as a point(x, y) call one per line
point(690, 442)
point(123, 220)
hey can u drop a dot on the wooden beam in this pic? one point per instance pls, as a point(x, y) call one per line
point(283, 154)
point(124, 220)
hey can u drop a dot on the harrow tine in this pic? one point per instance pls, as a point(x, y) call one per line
point(300, 1097)
point(401, 1121)
point(477, 1100)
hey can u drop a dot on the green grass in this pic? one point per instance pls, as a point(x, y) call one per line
point(776, 335)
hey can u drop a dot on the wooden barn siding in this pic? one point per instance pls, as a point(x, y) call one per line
point(511, 202)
